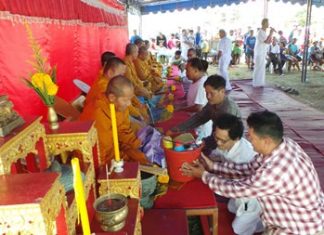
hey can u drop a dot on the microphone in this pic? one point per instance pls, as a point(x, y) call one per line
point(273, 29)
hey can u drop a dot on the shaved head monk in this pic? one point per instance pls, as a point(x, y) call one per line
point(119, 92)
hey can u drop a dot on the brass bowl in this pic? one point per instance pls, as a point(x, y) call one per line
point(111, 211)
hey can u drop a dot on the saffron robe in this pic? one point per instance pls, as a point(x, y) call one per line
point(129, 144)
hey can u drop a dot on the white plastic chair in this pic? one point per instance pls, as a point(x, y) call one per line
point(84, 87)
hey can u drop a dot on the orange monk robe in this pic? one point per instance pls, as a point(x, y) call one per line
point(144, 73)
point(155, 66)
point(131, 74)
point(99, 87)
point(128, 142)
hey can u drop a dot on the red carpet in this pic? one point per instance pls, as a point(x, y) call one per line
point(301, 122)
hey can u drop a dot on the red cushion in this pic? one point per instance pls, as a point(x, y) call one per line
point(177, 118)
point(193, 195)
point(164, 221)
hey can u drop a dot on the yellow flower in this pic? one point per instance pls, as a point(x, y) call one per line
point(173, 88)
point(163, 179)
point(43, 82)
point(169, 108)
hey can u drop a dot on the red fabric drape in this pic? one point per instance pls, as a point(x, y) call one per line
point(112, 12)
point(75, 49)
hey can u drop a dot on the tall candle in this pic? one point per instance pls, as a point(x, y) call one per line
point(79, 196)
point(114, 131)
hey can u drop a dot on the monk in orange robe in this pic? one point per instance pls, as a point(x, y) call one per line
point(120, 92)
point(144, 71)
point(112, 67)
point(155, 67)
point(131, 74)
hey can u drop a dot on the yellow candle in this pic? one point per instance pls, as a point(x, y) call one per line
point(79, 196)
point(114, 130)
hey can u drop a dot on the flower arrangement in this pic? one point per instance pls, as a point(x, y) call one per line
point(171, 97)
point(173, 88)
point(43, 80)
point(170, 108)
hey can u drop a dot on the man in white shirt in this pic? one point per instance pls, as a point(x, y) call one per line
point(232, 147)
point(185, 43)
point(274, 56)
point(224, 57)
point(260, 52)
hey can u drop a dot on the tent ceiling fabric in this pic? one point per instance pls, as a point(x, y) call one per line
point(155, 6)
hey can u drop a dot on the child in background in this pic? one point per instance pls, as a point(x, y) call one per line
point(178, 60)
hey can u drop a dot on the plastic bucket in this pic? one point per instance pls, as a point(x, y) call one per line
point(175, 160)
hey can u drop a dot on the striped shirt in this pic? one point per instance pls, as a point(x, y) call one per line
point(285, 183)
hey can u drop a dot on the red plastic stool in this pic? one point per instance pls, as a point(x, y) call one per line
point(195, 198)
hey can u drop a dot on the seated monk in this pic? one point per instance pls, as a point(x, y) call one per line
point(144, 72)
point(131, 74)
point(114, 66)
point(155, 66)
point(119, 91)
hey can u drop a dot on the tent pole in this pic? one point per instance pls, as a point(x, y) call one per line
point(140, 24)
point(306, 41)
point(265, 8)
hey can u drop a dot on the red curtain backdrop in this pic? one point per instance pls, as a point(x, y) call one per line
point(73, 46)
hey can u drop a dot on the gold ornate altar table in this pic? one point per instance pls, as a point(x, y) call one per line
point(24, 142)
point(32, 204)
point(82, 136)
point(127, 183)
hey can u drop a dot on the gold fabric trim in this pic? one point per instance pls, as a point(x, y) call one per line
point(34, 218)
point(138, 225)
point(22, 144)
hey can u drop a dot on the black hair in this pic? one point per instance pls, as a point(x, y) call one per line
point(178, 52)
point(215, 81)
point(232, 124)
point(111, 63)
point(266, 123)
point(117, 84)
point(129, 48)
point(105, 56)
point(201, 65)
point(192, 49)
point(138, 41)
point(146, 42)
point(142, 49)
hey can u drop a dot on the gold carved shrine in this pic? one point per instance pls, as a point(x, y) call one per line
point(23, 140)
point(36, 212)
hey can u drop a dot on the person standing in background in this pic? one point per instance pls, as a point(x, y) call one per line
point(224, 57)
point(260, 52)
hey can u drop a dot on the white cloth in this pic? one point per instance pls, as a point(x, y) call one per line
point(260, 52)
point(247, 210)
point(197, 95)
point(184, 46)
point(225, 46)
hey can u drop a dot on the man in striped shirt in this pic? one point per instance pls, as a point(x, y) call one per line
point(282, 177)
